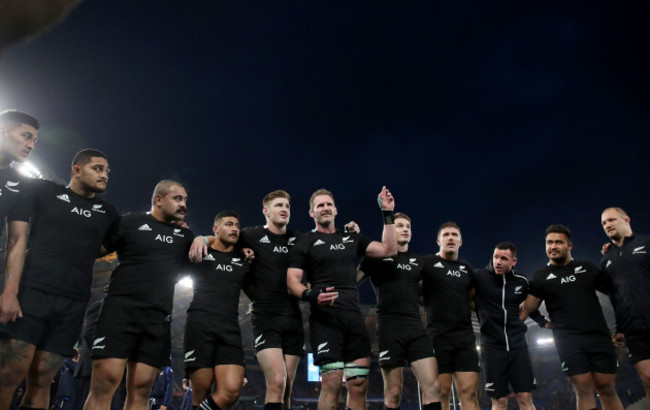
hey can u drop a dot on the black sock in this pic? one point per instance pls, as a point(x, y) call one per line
point(432, 406)
point(209, 404)
point(274, 406)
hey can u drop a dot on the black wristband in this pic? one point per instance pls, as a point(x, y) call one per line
point(389, 217)
point(309, 295)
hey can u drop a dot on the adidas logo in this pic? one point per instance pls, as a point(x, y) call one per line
point(551, 276)
point(265, 239)
point(64, 197)
point(208, 257)
point(144, 227)
point(438, 265)
point(319, 242)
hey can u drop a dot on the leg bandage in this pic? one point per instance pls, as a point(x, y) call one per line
point(356, 371)
point(331, 367)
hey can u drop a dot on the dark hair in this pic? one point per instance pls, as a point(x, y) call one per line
point(85, 155)
point(507, 246)
point(401, 215)
point(15, 118)
point(448, 225)
point(225, 214)
point(275, 194)
point(163, 187)
point(557, 228)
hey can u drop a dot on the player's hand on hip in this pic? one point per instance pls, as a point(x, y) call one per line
point(9, 309)
point(327, 297)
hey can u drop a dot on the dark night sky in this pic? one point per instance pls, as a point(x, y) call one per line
point(503, 117)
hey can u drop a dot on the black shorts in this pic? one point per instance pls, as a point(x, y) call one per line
point(502, 368)
point(50, 322)
point(581, 354)
point(281, 332)
point(338, 336)
point(148, 343)
point(456, 354)
point(638, 344)
point(400, 342)
point(209, 342)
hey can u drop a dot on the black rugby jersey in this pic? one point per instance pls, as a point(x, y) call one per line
point(445, 287)
point(66, 235)
point(218, 281)
point(396, 281)
point(497, 300)
point(152, 255)
point(331, 260)
point(570, 295)
point(14, 203)
point(628, 269)
point(269, 270)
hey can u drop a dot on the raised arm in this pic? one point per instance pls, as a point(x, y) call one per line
point(16, 247)
point(388, 245)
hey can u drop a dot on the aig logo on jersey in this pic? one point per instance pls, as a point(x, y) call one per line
point(165, 238)
point(404, 266)
point(81, 211)
point(567, 279)
point(280, 249)
point(222, 267)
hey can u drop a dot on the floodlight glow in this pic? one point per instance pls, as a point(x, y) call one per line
point(545, 341)
point(29, 170)
point(186, 282)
